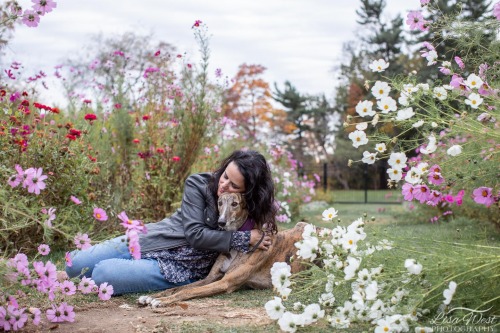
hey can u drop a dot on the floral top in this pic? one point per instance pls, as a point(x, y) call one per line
point(186, 263)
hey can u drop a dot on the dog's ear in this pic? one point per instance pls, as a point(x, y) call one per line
point(241, 200)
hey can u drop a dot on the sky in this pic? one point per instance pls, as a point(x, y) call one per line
point(296, 40)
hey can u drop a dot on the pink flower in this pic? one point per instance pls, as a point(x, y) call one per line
point(416, 21)
point(43, 249)
point(131, 224)
point(67, 312)
point(75, 200)
point(458, 82)
point(17, 317)
point(459, 197)
point(15, 180)
point(67, 258)
point(424, 2)
point(82, 242)
point(44, 6)
point(133, 244)
point(86, 285)
point(35, 315)
point(68, 288)
point(459, 62)
point(34, 181)
point(31, 18)
point(407, 191)
point(105, 291)
point(483, 196)
point(54, 315)
point(51, 214)
point(496, 10)
point(100, 214)
point(434, 198)
point(435, 178)
point(421, 193)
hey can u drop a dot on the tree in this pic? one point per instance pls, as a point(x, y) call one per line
point(249, 102)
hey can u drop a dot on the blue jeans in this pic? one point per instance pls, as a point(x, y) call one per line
point(111, 262)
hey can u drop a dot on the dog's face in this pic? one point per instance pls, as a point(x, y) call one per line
point(232, 211)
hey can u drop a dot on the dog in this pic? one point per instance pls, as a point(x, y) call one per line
point(235, 270)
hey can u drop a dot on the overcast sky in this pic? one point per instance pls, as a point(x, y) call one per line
point(296, 40)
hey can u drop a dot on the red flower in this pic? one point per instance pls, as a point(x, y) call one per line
point(160, 150)
point(118, 106)
point(75, 132)
point(87, 101)
point(2, 93)
point(71, 137)
point(176, 158)
point(54, 110)
point(196, 23)
point(93, 159)
point(136, 141)
point(157, 53)
point(145, 117)
point(25, 103)
point(90, 116)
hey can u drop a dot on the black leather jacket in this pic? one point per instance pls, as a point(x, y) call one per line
point(194, 224)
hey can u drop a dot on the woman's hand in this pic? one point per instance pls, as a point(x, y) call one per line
point(255, 237)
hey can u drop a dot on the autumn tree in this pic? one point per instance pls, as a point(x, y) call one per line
point(249, 102)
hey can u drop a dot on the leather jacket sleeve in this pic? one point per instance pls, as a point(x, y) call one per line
point(199, 218)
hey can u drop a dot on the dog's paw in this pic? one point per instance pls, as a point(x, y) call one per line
point(155, 303)
point(145, 300)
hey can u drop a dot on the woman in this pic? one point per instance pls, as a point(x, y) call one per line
point(182, 248)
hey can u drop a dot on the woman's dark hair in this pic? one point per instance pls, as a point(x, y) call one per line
point(259, 186)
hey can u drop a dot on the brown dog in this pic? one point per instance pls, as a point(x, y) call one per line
point(235, 270)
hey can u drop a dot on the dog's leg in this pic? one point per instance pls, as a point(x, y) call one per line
point(232, 281)
point(215, 274)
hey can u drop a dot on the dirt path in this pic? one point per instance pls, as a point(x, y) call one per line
point(118, 316)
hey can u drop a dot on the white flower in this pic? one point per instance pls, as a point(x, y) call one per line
point(404, 99)
point(404, 114)
point(431, 147)
point(418, 124)
point(309, 231)
point(414, 176)
point(380, 89)
point(454, 150)
point(351, 268)
point(312, 313)
point(289, 322)
point(339, 321)
point(280, 272)
point(330, 214)
point(409, 88)
point(387, 104)
point(431, 57)
point(350, 240)
point(448, 293)
point(326, 299)
point(274, 308)
point(383, 325)
point(413, 267)
point(364, 109)
point(358, 138)
point(434, 124)
point(308, 248)
point(440, 93)
point(375, 120)
point(378, 65)
point(395, 174)
point(362, 126)
point(474, 100)
point(423, 86)
point(380, 147)
point(369, 158)
point(372, 291)
point(473, 81)
point(397, 160)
